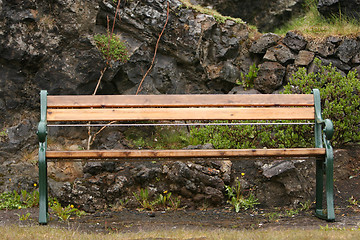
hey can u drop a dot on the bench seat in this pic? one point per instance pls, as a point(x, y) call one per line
point(175, 154)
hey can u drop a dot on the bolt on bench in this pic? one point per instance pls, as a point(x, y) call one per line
point(133, 108)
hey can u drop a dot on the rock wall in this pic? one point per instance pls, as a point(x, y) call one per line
point(49, 45)
point(281, 57)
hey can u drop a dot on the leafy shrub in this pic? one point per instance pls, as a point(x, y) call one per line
point(340, 98)
point(158, 137)
point(112, 47)
point(255, 136)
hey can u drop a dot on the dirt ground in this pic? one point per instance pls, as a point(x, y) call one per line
point(135, 220)
point(346, 188)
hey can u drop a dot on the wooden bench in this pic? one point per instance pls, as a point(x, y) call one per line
point(133, 108)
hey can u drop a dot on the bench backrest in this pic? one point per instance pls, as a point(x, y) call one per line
point(180, 107)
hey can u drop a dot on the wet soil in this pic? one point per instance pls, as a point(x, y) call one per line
point(217, 218)
point(346, 188)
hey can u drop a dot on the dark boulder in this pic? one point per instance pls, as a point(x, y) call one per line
point(295, 41)
point(264, 42)
point(270, 77)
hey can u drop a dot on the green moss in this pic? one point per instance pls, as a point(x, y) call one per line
point(218, 17)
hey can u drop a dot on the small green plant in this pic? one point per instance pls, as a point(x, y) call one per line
point(3, 135)
point(167, 201)
point(328, 228)
point(111, 47)
point(163, 200)
point(305, 206)
point(292, 212)
point(14, 200)
point(340, 98)
point(120, 205)
point(144, 200)
point(23, 217)
point(64, 213)
point(354, 202)
point(236, 198)
point(247, 81)
point(273, 216)
point(175, 203)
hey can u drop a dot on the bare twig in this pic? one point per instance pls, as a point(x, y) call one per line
point(91, 138)
point(101, 129)
point(98, 83)
point(156, 48)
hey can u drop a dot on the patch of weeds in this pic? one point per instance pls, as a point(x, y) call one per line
point(23, 217)
point(167, 201)
point(143, 199)
point(273, 216)
point(247, 81)
point(292, 212)
point(354, 203)
point(164, 201)
point(14, 200)
point(64, 213)
point(120, 205)
point(204, 206)
point(236, 198)
point(327, 228)
point(305, 206)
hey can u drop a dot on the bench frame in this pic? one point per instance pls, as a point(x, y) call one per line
point(323, 133)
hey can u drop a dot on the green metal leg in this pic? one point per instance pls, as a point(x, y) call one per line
point(43, 193)
point(319, 186)
point(329, 187)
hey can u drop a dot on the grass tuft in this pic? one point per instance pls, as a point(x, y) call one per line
point(313, 24)
point(218, 17)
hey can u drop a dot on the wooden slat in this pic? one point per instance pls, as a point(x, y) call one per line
point(205, 100)
point(129, 114)
point(202, 153)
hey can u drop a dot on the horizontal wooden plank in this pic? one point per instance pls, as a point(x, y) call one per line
point(205, 100)
point(134, 114)
point(197, 153)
